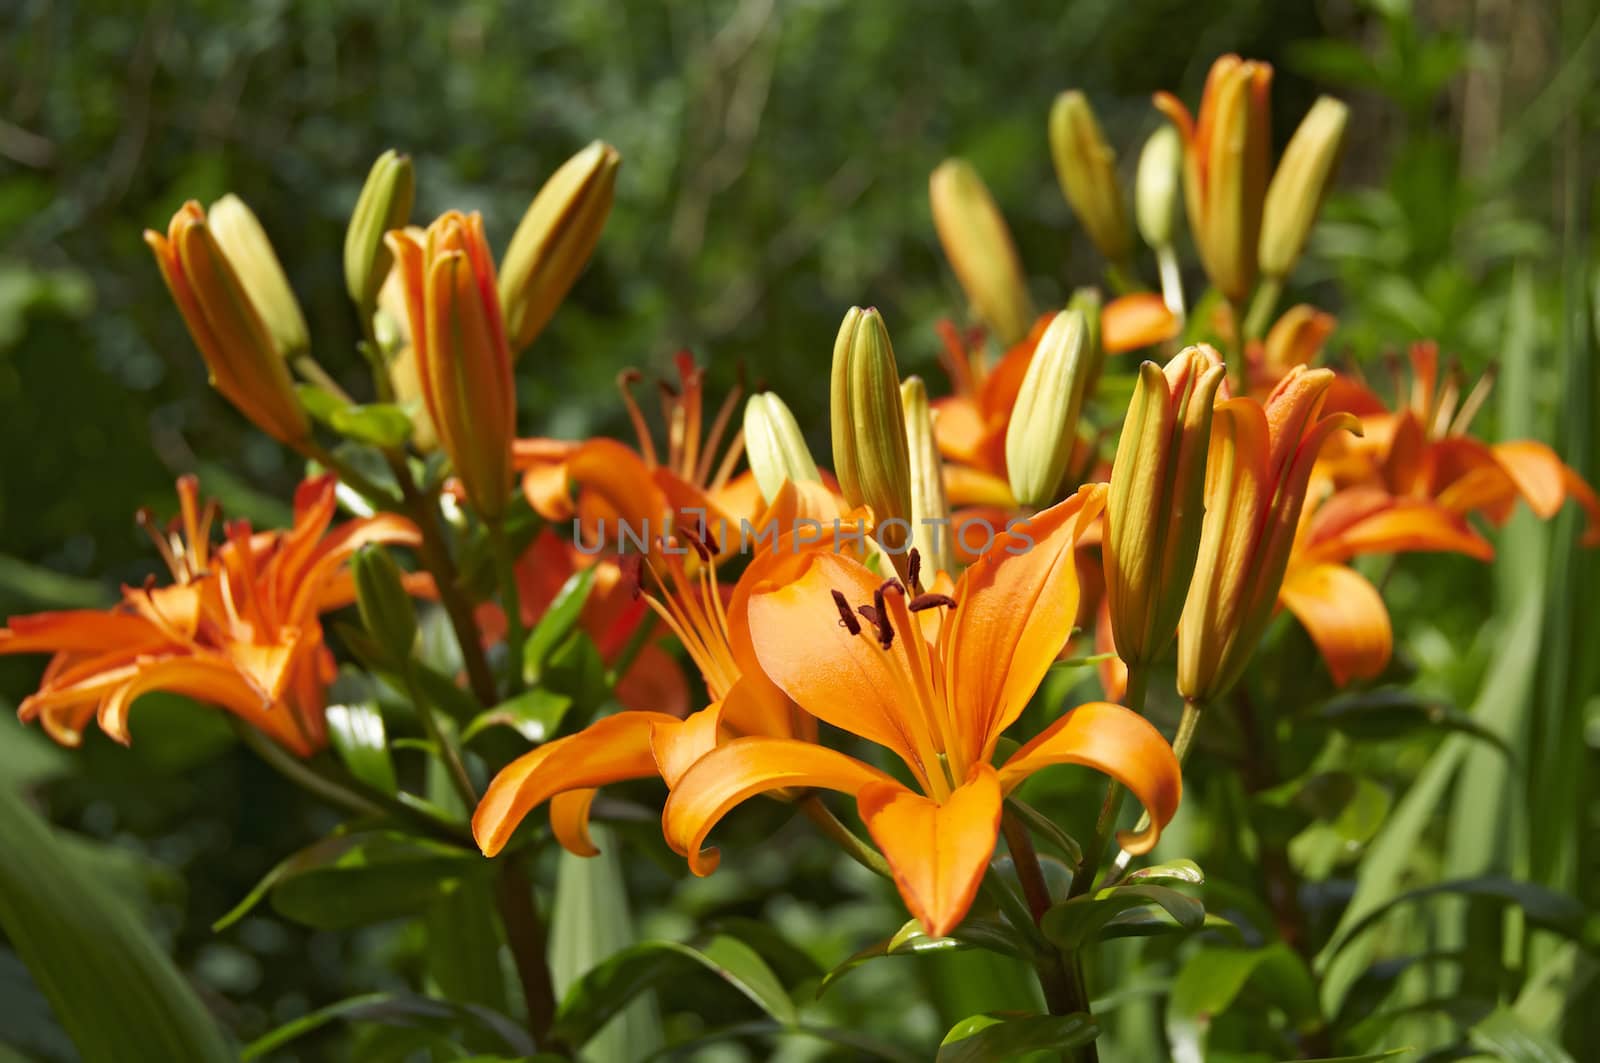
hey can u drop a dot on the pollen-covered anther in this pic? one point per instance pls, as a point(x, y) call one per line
point(914, 570)
point(930, 601)
point(847, 619)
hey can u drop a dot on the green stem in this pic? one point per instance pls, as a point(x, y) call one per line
point(1060, 972)
point(1188, 723)
point(435, 556)
point(1234, 354)
point(505, 567)
point(525, 935)
point(1259, 319)
point(447, 749)
point(852, 843)
point(1171, 282)
point(1123, 278)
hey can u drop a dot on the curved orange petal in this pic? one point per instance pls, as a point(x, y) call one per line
point(609, 750)
point(1345, 617)
point(741, 769)
point(1014, 609)
point(937, 851)
point(1116, 742)
point(569, 821)
point(79, 631)
point(677, 745)
point(958, 429)
point(1130, 322)
point(843, 679)
point(1579, 491)
point(208, 679)
point(1368, 520)
point(1537, 473)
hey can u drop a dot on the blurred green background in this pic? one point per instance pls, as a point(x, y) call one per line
point(775, 166)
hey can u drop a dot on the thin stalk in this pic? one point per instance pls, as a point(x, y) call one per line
point(1234, 353)
point(1262, 307)
point(312, 370)
point(435, 556)
point(525, 934)
point(847, 839)
point(448, 753)
point(505, 568)
point(1123, 278)
point(1171, 282)
point(1060, 972)
point(1188, 723)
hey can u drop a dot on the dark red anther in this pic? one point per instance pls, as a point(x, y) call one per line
point(930, 601)
point(914, 570)
point(633, 574)
point(847, 619)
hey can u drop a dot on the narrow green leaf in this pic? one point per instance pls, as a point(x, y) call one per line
point(1510, 1039)
point(397, 1009)
point(107, 980)
point(372, 877)
point(1212, 978)
point(357, 732)
point(1543, 907)
point(1000, 1039)
point(320, 403)
point(556, 624)
point(1074, 922)
point(1379, 715)
point(1180, 872)
point(381, 424)
point(534, 714)
point(602, 992)
point(463, 953)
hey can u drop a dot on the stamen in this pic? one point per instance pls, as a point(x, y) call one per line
point(1449, 395)
point(633, 575)
point(914, 570)
point(693, 540)
point(647, 447)
point(1474, 401)
point(147, 521)
point(885, 629)
point(719, 425)
point(931, 601)
point(870, 614)
point(847, 619)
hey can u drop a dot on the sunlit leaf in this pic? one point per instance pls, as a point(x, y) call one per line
point(1000, 1038)
point(556, 624)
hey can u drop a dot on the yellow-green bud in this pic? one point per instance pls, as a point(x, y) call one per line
point(554, 240)
point(246, 247)
point(980, 249)
point(870, 454)
point(1155, 187)
point(1157, 499)
point(1087, 302)
point(931, 531)
point(384, 204)
point(1087, 169)
point(386, 609)
point(1295, 195)
point(1044, 422)
point(774, 445)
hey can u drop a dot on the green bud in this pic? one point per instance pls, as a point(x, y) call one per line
point(1044, 422)
point(1298, 186)
point(1087, 302)
point(554, 240)
point(1087, 169)
point(774, 445)
point(1155, 188)
point(386, 609)
point(931, 531)
point(870, 454)
point(980, 249)
point(245, 245)
point(384, 204)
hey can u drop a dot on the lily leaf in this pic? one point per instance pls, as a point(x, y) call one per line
point(1079, 920)
point(1213, 978)
point(605, 990)
point(994, 1038)
point(382, 424)
point(356, 729)
point(1544, 907)
point(534, 714)
point(556, 624)
point(399, 1009)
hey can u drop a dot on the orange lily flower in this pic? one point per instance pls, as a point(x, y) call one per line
point(238, 627)
point(639, 744)
point(1421, 450)
point(611, 617)
point(1340, 609)
point(620, 487)
point(935, 679)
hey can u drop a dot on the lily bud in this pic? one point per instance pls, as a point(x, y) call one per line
point(553, 242)
point(1257, 469)
point(1295, 339)
point(1155, 187)
point(931, 530)
point(1295, 195)
point(1087, 169)
point(1044, 422)
point(242, 359)
point(980, 249)
point(774, 445)
point(242, 239)
point(1087, 302)
point(453, 315)
point(384, 204)
point(1156, 500)
point(870, 454)
point(1225, 169)
point(386, 609)
point(391, 327)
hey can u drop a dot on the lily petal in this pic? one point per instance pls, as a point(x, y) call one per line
point(1131, 322)
point(569, 821)
point(1116, 742)
point(609, 750)
point(1344, 615)
point(741, 769)
point(938, 852)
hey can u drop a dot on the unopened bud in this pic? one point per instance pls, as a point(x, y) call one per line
point(1155, 187)
point(1087, 169)
point(244, 362)
point(1044, 422)
point(386, 609)
point(980, 249)
point(774, 445)
point(1295, 339)
point(553, 242)
point(1087, 302)
point(931, 530)
point(1157, 500)
point(384, 204)
point(240, 235)
point(1295, 195)
point(870, 454)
